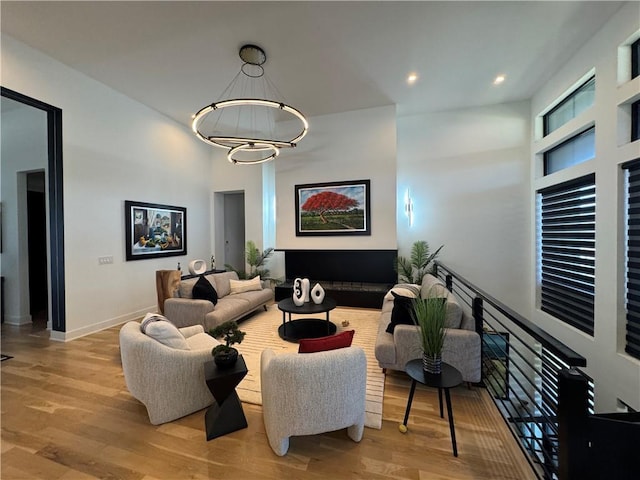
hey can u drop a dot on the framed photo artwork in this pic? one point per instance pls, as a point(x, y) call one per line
point(153, 230)
point(334, 208)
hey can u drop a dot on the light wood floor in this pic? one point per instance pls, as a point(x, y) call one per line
point(66, 414)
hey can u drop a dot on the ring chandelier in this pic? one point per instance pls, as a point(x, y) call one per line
point(253, 114)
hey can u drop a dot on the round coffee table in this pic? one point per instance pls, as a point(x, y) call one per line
point(294, 330)
point(449, 378)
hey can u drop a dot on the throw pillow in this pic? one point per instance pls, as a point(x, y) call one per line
point(239, 286)
point(165, 332)
point(322, 344)
point(401, 313)
point(406, 289)
point(403, 308)
point(186, 287)
point(221, 281)
point(436, 289)
point(151, 317)
point(203, 290)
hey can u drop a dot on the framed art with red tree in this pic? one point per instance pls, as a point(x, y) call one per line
point(333, 208)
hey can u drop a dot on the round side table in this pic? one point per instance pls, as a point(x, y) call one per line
point(449, 378)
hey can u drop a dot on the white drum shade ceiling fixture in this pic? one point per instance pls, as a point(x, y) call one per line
point(250, 120)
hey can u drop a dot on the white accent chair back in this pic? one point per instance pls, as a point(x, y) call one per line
point(311, 393)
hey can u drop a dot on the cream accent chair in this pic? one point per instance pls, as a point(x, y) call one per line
point(311, 393)
point(168, 381)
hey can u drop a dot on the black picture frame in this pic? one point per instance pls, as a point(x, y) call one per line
point(347, 212)
point(153, 230)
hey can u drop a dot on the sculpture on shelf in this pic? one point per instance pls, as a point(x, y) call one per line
point(306, 288)
point(197, 267)
point(317, 294)
point(298, 292)
point(301, 291)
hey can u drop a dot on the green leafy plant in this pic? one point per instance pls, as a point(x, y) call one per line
point(411, 270)
point(255, 259)
point(429, 314)
point(231, 334)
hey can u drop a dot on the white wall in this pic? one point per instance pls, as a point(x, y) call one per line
point(114, 149)
point(355, 145)
point(468, 176)
point(227, 178)
point(616, 374)
point(24, 149)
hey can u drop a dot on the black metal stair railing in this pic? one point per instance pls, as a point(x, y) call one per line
point(521, 365)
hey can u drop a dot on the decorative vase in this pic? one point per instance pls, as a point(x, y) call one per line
point(306, 289)
point(317, 294)
point(298, 292)
point(432, 363)
point(226, 359)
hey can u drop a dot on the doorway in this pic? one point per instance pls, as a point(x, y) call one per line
point(37, 249)
point(229, 231)
point(54, 248)
point(234, 230)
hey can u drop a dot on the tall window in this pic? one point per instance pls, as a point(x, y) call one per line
point(574, 104)
point(632, 346)
point(635, 121)
point(577, 149)
point(567, 212)
point(635, 59)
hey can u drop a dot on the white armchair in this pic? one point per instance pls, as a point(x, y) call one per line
point(311, 393)
point(168, 381)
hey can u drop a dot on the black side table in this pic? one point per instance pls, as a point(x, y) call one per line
point(225, 415)
point(449, 378)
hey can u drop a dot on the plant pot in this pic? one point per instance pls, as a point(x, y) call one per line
point(226, 359)
point(432, 363)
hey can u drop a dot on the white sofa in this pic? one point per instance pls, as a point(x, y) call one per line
point(311, 393)
point(461, 345)
point(183, 310)
point(168, 381)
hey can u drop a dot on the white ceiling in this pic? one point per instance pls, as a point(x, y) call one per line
point(324, 57)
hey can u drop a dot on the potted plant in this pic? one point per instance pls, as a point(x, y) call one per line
point(411, 270)
point(255, 260)
point(429, 315)
point(225, 355)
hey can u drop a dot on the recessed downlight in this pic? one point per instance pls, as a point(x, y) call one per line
point(412, 78)
point(499, 79)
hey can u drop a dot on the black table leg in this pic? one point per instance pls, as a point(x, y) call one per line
point(411, 392)
point(440, 401)
point(451, 427)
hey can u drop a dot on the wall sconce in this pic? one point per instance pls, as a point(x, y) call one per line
point(408, 207)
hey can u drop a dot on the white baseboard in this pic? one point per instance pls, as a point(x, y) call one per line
point(17, 320)
point(97, 327)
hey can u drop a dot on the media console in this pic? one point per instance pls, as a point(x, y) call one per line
point(353, 278)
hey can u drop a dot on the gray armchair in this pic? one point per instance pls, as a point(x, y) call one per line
point(461, 345)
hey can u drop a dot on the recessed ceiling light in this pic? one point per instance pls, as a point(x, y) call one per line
point(499, 79)
point(412, 78)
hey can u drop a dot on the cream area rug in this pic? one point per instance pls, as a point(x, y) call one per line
point(262, 333)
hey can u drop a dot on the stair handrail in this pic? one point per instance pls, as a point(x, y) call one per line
point(571, 357)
